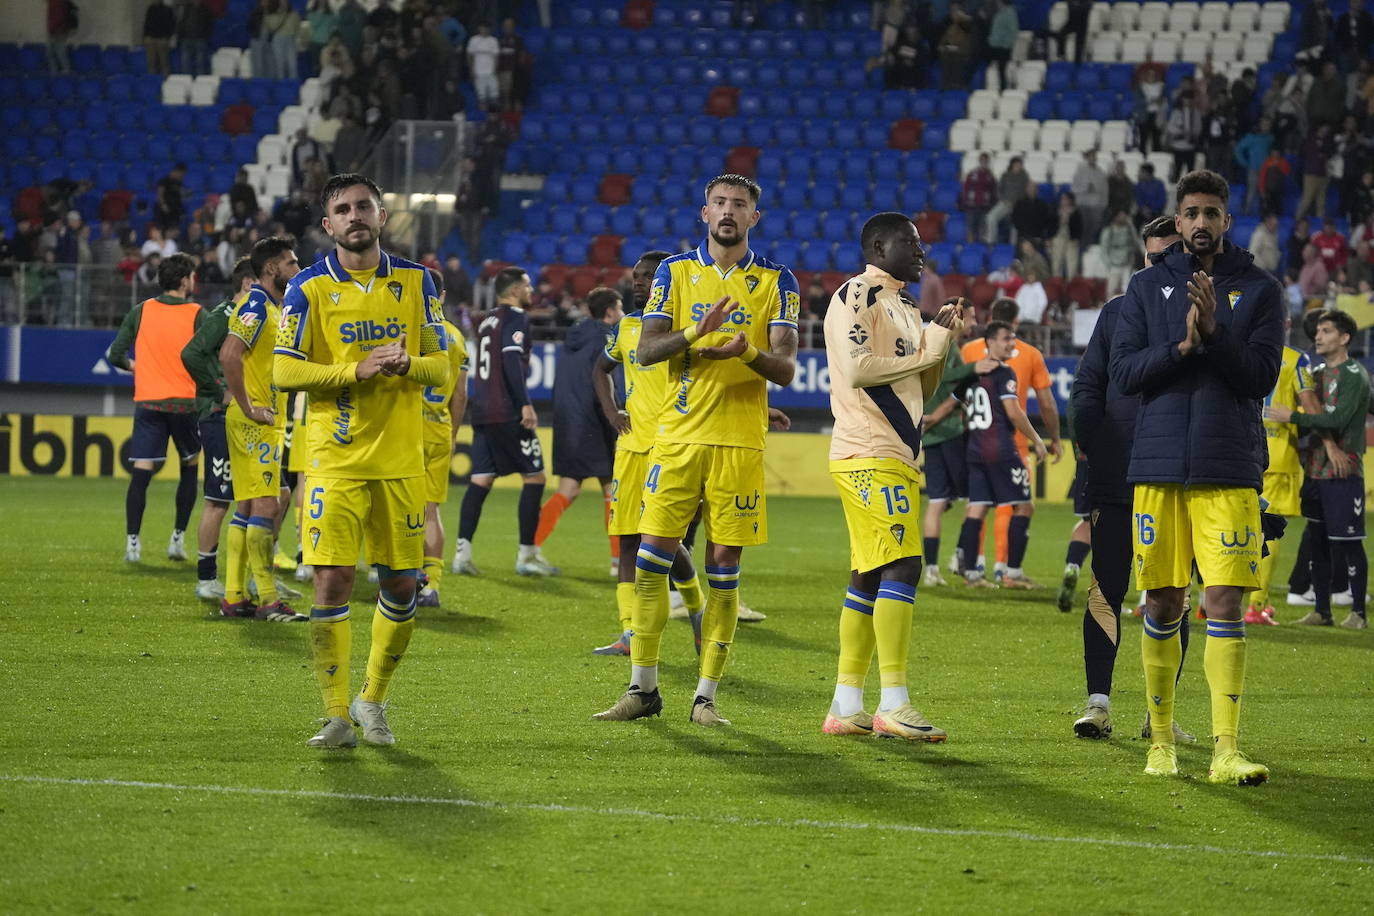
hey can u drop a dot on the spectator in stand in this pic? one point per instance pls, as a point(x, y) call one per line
point(170, 208)
point(325, 123)
point(932, 289)
point(352, 25)
point(1011, 187)
point(1360, 268)
point(1002, 32)
point(1120, 189)
point(510, 59)
point(1297, 241)
point(1263, 244)
point(889, 17)
point(107, 248)
point(907, 62)
point(1326, 97)
point(195, 241)
point(1150, 108)
point(1244, 96)
point(208, 272)
point(1151, 197)
point(483, 52)
point(454, 32)
point(60, 29)
point(146, 275)
point(1331, 247)
point(194, 23)
point(158, 243)
point(956, 49)
point(350, 146)
point(1359, 90)
point(1031, 299)
point(1121, 252)
point(1219, 136)
point(1182, 133)
point(976, 196)
point(241, 192)
point(1076, 24)
point(457, 286)
point(295, 214)
point(1316, 150)
point(1090, 190)
point(1313, 278)
point(314, 180)
point(1352, 35)
point(1290, 116)
point(1066, 235)
point(1353, 156)
point(1031, 216)
point(321, 22)
point(1031, 259)
point(470, 206)
point(1359, 203)
point(1250, 154)
point(1273, 182)
point(159, 25)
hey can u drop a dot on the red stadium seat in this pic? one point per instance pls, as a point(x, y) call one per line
point(931, 226)
point(804, 278)
point(955, 285)
point(556, 275)
point(28, 204)
point(981, 293)
point(638, 14)
point(237, 120)
point(605, 250)
point(905, 134)
point(115, 206)
point(582, 280)
point(723, 102)
point(1054, 289)
point(1087, 292)
point(832, 280)
point(742, 160)
point(615, 190)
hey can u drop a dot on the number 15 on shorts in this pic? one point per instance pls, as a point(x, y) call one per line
point(898, 503)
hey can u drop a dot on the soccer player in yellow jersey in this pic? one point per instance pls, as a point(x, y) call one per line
point(1283, 478)
point(362, 333)
point(725, 320)
point(882, 363)
point(444, 406)
point(645, 389)
point(255, 425)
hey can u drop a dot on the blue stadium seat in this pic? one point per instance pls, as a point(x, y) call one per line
point(823, 74)
point(935, 135)
point(1072, 106)
point(801, 224)
point(807, 105)
point(595, 220)
point(563, 219)
point(848, 257)
point(543, 249)
point(1059, 76)
point(945, 168)
point(825, 194)
point(1101, 107)
point(835, 226)
point(914, 196)
point(1088, 78)
point(945, 198)
point(558, 186)
point(922, 106)
point(815, 256)
point(785, 251)
point(769, 75)
point(853, 167)
point(956, 225)
point(653, 221)
point(1040, 106)
point(943, 254)
point(1000, 256)
point(794, 195)
point(953, 104)
point(596, 161)
point(1119, 77)
point(535, 217)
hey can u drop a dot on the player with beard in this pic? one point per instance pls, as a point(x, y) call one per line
point(361, 332)
point(725, 320)
point(1199, 340)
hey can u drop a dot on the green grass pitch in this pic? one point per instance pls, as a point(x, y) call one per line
point(153, 755)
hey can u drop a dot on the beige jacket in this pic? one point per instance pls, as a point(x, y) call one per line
point(882, 364)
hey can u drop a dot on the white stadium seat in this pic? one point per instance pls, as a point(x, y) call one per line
point(1011, 105)
point(1020, 49)
point(225, 61)
point(1273, 17)
point(1164, 49)
point(1030, 75)
point(993, 137)
point(1105, 48)
point(1131, 160)
point(1024, 136)
point(1001, 161)
point(176, 89)
point(1195, 48)
point(1256, 47)
point(1054, 135)
point(1099, 17)
point(963, 135)
point(257, 176)
point(1183, 17)
point(1038, 166)
point(1083, 136)
point(1093, 265)
point(1162, 162)
point(311, 90)
point(1114, 137)
point(273, 150)
point(204, 90)
point(1244, 16)
point(1213, 16)
point(293, 118)
point(1063, 167)
point(1226, 52)
point(1059, 14)
point(982, 105)
point(1153, 17)
point(968, 163)
point(1135, 48)
point(1124, 16)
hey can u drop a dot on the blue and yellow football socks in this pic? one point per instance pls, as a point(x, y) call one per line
point(719, 620)
point(1224, 661)
point(1160, 653)
point(331, 645)
point(393, 623)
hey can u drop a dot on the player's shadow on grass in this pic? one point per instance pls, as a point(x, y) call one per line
point(286, 638)
point(1333, 808)
point(445, 621)
point(1333, 637)
point(763, 635)
point(765, 693)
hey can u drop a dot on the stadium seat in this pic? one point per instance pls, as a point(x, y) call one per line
point(605, 250)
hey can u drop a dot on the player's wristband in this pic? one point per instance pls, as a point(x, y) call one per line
point(690, 335)
point(750, 354)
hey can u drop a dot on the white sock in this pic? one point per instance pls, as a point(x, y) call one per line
point(133, 540)
point(1100, 699)
point(707, 688)
point(892, 698)
point(847, 701)
point(528, 551)
point(463, 547)
point(645, 677)
point(1071, 567)
point(1014, 572)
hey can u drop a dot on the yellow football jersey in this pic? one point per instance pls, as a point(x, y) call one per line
point(253, 311)
point(645, 386)
point(369, 430)
point(1295, 375)
point(719, 402)
point(438, 416)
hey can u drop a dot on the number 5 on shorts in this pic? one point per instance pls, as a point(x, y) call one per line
point(316, 502)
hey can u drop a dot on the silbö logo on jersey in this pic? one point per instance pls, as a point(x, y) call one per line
point(343, 422)
point(371, 333)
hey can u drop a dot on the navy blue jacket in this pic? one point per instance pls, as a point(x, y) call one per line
point(574, 399)
point(1103, 417)
point(1199, 420)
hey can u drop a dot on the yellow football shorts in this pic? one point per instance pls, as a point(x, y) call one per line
point(340, 514)
point(438, 456)
point(881, 499)
point(254, 456)
point(627, 491)
point(300, 449)
point(1282, 490)
point(730, 480)
point(1216, 527)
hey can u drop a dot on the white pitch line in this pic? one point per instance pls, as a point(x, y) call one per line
point(791, 823)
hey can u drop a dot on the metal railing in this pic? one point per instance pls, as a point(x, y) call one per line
point(77, 295)
point(417, 163)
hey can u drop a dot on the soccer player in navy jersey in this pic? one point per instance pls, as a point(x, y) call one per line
point(504, 440)
point(996, 473)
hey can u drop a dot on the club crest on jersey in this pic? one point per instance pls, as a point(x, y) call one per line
point(898, 532)
point(1235, 296)
point(858, 335)
point(334, 297)
point(267, 478)
point(395, 287)
point(752, 282)
point(314, 537)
